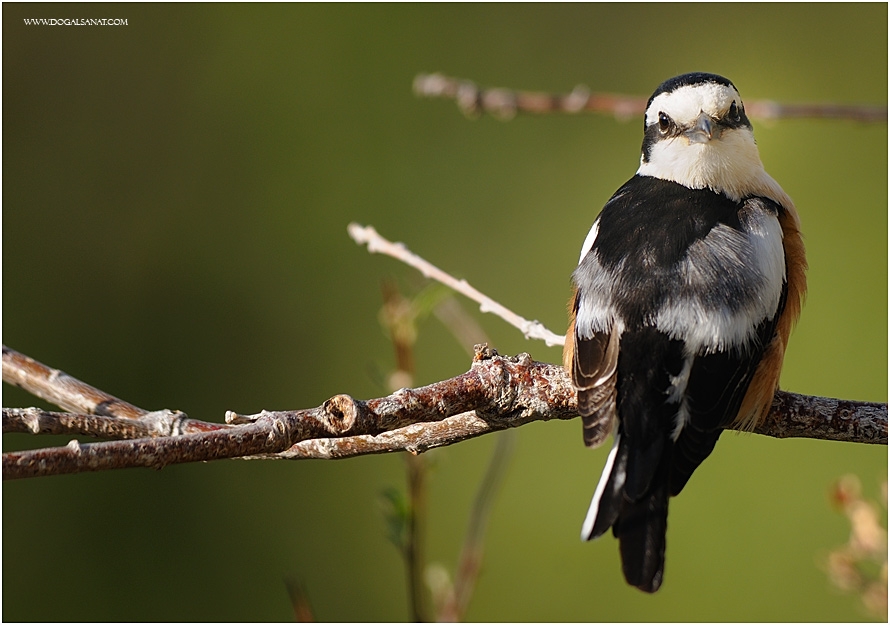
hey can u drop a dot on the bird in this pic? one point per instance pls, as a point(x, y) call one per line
point(686, 291)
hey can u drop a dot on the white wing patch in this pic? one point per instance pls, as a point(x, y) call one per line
point(591, 237)
point(595, 312)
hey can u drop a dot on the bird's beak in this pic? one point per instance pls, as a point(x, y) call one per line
point(703, 130)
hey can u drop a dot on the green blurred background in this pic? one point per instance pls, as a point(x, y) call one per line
point(175, 201)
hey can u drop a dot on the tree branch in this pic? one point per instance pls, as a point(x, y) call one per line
point(506, 103)
point(496, 393)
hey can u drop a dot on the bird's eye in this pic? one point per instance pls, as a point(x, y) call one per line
point(664, 123)
point(734, 114)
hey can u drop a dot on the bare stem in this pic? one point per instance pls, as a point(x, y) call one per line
point(93, 412)
point(470, 561)
point(60, 389)
point(400, 318)
point(367, 235)
point(415, 560)
point(506, 103)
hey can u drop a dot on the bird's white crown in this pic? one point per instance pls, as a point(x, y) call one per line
point(684, 104)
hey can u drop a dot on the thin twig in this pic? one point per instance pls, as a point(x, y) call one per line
point(60, 389)
point(506, 103)
point(36, 421)
point(93, 412)
point(400, 318)
point(470, 560)
point(415, 544)
point(367, 235)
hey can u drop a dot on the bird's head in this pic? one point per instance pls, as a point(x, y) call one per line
point(697, 134)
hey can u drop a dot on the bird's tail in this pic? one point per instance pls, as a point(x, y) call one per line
point(640, 525)
point(641, 529)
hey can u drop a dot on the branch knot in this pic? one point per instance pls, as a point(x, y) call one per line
point(340, 413)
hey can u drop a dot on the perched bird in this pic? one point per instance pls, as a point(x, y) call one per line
point(684, 297)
